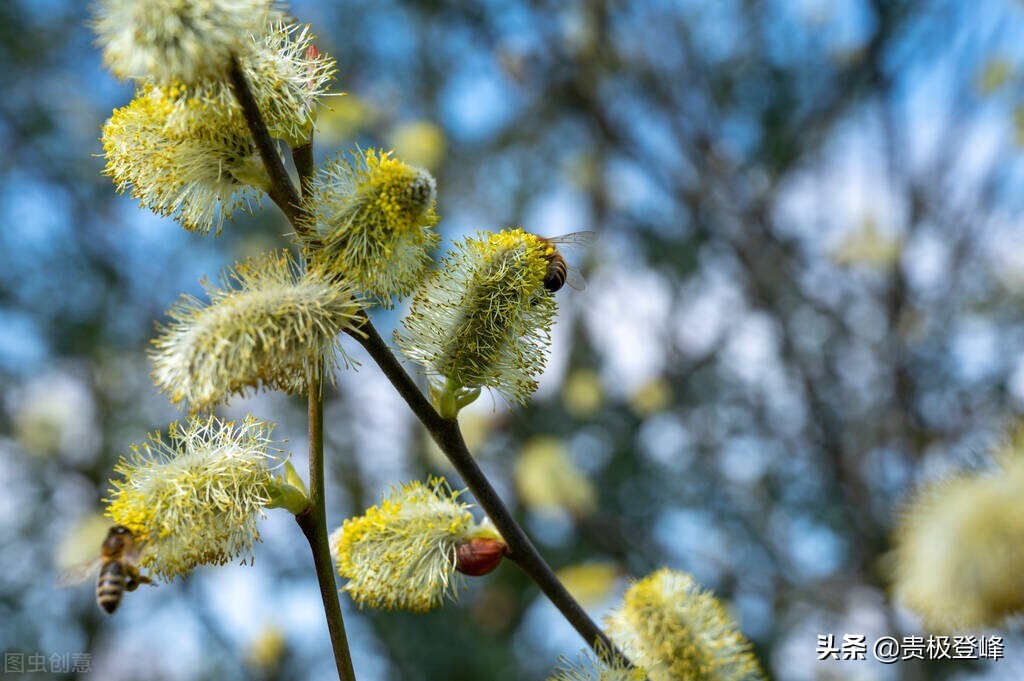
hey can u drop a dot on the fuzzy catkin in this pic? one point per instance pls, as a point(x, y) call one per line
point(959, 548)
point(674, 629)
point(483, 318)
point(373, 217)
point(194, 498)
point(269, 325)
point(167, 41)
point(401, 554)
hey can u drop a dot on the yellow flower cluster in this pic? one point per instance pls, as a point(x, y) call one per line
point(268, 325)
point(194, 498)
point(184, 150)
point(960, 548)
point(180, 158)
point(169, 40)
point(403, 553)
point(288, 76)
point(674, 630)
point(374, 217)
point(483, 318)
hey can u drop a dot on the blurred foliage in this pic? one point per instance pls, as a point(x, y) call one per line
point(805, 297)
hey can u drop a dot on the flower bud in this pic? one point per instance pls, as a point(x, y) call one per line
point(479, 556)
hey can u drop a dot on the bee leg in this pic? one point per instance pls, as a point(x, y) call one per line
point(133, 579)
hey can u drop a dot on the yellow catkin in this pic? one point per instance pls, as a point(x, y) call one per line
point(677, 631)
point(194, 498)
point(483, 318)
point(374, 220)
point(959, 549)
point(165, 41)
point(401, 554)
point(268, 325)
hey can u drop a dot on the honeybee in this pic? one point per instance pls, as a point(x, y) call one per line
point(118, 569)
point(559, 272)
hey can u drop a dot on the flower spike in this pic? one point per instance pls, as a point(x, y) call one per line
point(182, 159)
point(194, 498)
point(960, 548)
point(169, 41)
point(674, 629)
point(268, 326)
point(483, 319)
point(374, 218)
point(404, 553)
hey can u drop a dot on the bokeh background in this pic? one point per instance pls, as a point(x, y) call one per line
point(805, 298)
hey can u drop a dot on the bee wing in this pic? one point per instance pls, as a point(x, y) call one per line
point(573, 241)
point(79, 573)
point(574, 278)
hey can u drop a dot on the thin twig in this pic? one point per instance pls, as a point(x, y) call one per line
point(281, 191)
point(448, 436)
point(312, 521)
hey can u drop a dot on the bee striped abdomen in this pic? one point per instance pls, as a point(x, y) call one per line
point(557, 272)
point(110, 586)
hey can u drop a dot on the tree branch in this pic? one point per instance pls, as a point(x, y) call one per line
point(313, 522)
point(282, 191)
point(448, 436)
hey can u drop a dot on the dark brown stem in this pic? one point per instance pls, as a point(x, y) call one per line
point(281, 191)
point(302, 157)
point(313, 522)
point(445, 432)
point(448, 436)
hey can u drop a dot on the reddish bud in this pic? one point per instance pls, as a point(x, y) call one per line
point(479, 555)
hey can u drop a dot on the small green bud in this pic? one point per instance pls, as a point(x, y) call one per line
point(289, 492)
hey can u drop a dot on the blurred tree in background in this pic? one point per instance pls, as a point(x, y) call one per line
point(804, 299)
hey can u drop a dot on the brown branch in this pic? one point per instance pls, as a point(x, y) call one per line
point(302, 157)
point(281, 191)
point(448, 436)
